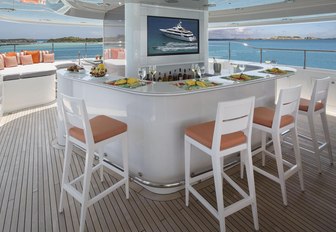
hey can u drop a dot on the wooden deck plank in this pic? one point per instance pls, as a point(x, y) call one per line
point(31, 171)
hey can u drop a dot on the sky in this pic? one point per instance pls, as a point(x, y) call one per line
point(46, 31)
point(316, 29)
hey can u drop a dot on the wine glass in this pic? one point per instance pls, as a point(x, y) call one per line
point(194, 68)
point(152, 71)
point(241, 67)
point(202, 71)
point(199, 73)
point(142, 73)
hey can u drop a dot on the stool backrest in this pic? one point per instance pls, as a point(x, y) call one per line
point(75, 115)
point(319, 93)
point(288, 104)
point(233, 116)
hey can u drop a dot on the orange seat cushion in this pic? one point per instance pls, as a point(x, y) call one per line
point(304, 104)
point(203, 133)
point(102, 127)
point(35, 55)
point(264, 116)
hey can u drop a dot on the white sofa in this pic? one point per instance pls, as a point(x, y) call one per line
point(28, 85)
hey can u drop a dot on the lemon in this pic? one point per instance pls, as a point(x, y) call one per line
point(190, 82)
point(200, 84)
point(121, 82)
point(101, 66)
point(132, 80)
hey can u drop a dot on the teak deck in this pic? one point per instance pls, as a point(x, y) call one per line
point(31, 169)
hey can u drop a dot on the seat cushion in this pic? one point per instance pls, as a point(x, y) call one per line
point(48, 58)
point(203, 133)
point(304, 104)
point(102, 127)
point(264, 116)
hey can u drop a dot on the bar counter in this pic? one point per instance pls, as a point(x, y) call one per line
point(156, 115)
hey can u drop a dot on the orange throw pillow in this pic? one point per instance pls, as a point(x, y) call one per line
point(48, 58)
point(35, 55)
point(13, 54)
point(26, 59)
point(10, 61)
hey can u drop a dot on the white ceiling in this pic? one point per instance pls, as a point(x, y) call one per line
point(225, 13)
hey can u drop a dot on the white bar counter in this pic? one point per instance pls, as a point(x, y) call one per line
point(156, 115)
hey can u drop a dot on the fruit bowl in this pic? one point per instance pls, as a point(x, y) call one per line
point(98, 71)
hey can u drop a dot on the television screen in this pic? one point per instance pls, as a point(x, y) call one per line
point(172, 36)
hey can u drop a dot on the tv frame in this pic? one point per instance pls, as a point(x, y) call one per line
point(175, 53)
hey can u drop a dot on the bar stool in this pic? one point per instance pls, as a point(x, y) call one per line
point(91, 135)
point(276, 122)
point(317, 105)
point(230, 133)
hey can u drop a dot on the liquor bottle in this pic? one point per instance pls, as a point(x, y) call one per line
point(170, 77)
point(180, 76)
point(175, 75)
point(190, 74)
point(165, 78)
point(159, 78)
point(185, 76)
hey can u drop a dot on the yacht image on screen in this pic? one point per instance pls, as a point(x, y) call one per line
point(172, 36)
point(179, 32)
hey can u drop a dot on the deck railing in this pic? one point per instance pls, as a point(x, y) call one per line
point(260, 53)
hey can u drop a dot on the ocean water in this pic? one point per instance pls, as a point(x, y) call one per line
point(327, 60)
point(63, 51)
point(218, 49)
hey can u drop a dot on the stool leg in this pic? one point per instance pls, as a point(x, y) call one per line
point(263, 147)
point(217, 172)
point(66, 167)
point(125, 163)
point(297, 155)
point(327, 135)
point(251, 185)
point(242, 165)
point(314, 140)
point(187, 148)
point(101, 160)
point(278, 158)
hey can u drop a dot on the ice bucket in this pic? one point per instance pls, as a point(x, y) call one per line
point(217, 67)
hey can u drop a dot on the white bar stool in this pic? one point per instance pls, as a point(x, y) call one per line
point(276, 122)
point(317, 105)
point(91, 135)
point(230, 133)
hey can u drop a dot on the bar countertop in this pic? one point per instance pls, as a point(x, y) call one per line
point(170, 88)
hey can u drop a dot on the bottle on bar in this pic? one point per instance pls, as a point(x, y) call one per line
point(185, 76)
point(190, 74)
point(180, 76)
point(175, 75)
point(159, 78)
point(170, 77)
point(165, 78)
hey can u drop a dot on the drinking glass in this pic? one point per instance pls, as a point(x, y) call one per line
point(202, 71)
point(241, 67)
point(199, 73)
point(194, 68)
point(152, 71)
point(142, 73)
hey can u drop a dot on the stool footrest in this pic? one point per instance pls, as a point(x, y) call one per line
point(73, 192)
point(203, 201)
point(235, 185)
point(106, 192)
point(268, 175)
point(291, 172)
point(79, 178)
